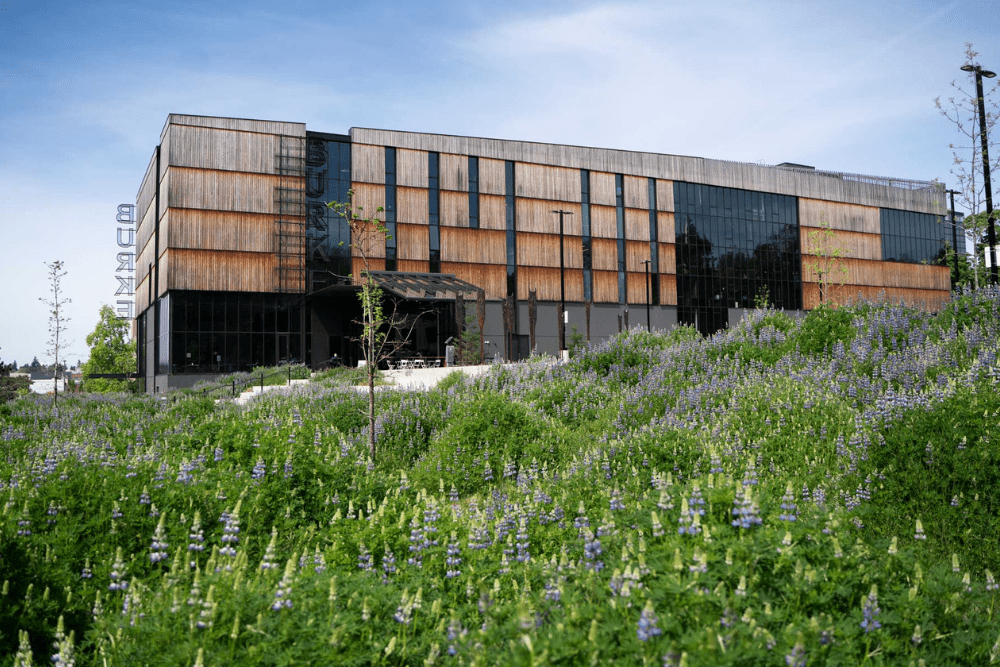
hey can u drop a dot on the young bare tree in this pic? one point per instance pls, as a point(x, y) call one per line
point(58, 321)
point(962, 109)
point(378, 344)
point(828, 260)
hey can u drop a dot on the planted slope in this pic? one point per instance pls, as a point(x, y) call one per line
point(783, 492)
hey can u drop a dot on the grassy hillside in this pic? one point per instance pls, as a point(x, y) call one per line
point(821, 491)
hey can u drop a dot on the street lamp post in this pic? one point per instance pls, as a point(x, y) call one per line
point(648, 326)
point(562, 282)
point(991, 234)
point(954, 234)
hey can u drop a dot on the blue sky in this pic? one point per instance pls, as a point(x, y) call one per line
point(86, 88)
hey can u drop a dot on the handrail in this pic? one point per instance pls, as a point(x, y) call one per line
point(233, 384)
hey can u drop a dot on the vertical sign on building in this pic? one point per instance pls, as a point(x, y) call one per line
point(126, 260)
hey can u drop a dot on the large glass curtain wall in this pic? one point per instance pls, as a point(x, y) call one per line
point(916, 238)
point(734, 247)
point(223, 332)
point(328, 236)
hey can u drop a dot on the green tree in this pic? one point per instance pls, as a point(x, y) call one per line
point(111, 351)
point(368, 236)
point(10, 387)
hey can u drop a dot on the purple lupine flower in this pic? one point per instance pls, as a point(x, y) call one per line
point(647, 623)
point(797, 657)
point(218, 454)
point(789, 510)
point(522, 544)
point(118, 573)
point(388, 564)
point(364, 558)
point(283, 596)
point(268, 562)
point(259, 470)
point(230, 533)
point(870, 612)
point(158, 549)
point(453, 559)
point(616, 500)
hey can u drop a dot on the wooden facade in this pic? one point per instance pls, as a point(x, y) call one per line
point(222, 208)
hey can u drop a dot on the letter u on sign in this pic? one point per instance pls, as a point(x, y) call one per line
point(131, 238)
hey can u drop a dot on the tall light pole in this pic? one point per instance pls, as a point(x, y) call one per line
point(954, 234)
point(562, 282)
point(648, 326)
point(991, 234)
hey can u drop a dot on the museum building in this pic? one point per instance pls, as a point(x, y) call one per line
point(240, 262)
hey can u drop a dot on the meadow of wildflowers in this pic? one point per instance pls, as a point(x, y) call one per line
point(815, 492)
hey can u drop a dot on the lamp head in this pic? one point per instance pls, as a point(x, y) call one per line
point(968, 68)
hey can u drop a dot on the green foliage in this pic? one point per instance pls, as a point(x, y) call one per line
point(467, 352)
point(11, 387)
point(540, 507)
point(823, 328)
point(110, 352)
point(576, 343)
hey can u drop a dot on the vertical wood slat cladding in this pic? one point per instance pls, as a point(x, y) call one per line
point(603, 222)
point(411, 168)
point(605, 285)
point(490, 277)
point(220, 230)
point(816, 185)
point(221, 271)
point(836, 215)
point(492, 210)
point(147, 191)
point(637, 294)
point(368, 163)
point(917, 276)
point(664, 195)
point(546, 283)
point(816, 241)
point(637, 193)
point(668, 290)
point(146, 229)
point(412, 242)
point(358, 266)
point(543, 250)
point(369, 198)
point(240, 124)
point(636, 252)
point(838, 295)
point(877, 274)
point(492, 177)
point(454, 208)
point(637, 224)
point(604, 256)
point(142, 296)
point(667, 257)
point(143, 259)
point(602, 189)
point(163, 261)
point(454, 172)
point(225, 190)
point(475, 246)
point(413, 265)
point(225, 150)
point(411, 205)
point(535, 215)
point(536, 181)
point(372, 247)
point(665, 227)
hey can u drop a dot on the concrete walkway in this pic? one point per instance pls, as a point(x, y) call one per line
point(410, 379)
point(425, 378)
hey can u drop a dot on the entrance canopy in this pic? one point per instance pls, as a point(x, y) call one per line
point(417, 286)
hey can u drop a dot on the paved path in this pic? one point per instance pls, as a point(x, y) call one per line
point(416, 378)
